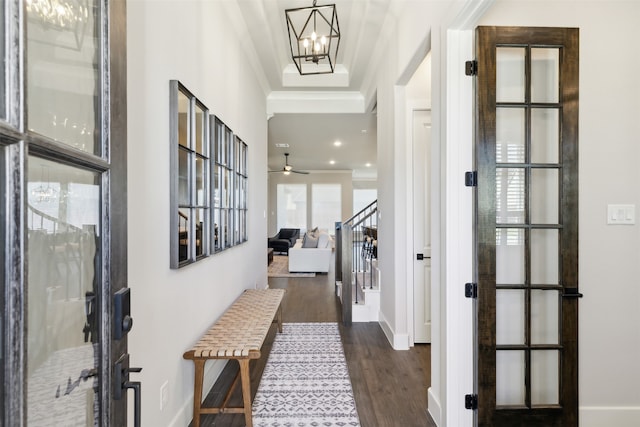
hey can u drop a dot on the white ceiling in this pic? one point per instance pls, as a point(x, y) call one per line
point(311, 112)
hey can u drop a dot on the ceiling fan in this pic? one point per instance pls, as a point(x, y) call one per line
point(287, 169)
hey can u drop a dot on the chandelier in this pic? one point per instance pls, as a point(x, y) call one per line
point(314, 37)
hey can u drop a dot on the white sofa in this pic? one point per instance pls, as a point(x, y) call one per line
point(305, 259)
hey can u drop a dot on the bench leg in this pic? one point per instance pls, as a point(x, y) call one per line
point(197, 391)
point(246, 391)
point(279, 315)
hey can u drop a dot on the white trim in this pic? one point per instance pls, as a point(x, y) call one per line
point(433, 407)
point(619, 416)
point(459, 229)
point(397, 341)
point(315, 102)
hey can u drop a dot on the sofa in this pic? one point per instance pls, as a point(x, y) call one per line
point(312, 253)
point(284, 240)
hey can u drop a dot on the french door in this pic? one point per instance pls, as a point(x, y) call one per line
point(63, 180)
point(527, 226)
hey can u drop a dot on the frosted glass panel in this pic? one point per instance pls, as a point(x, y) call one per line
point(510, 135)
point(510, 74)
point(510, 388)
point(509, 256)
point(510, 195)
point(510, 311)
point(545, 131)
point(545, 383)
point(544, 316)
point(544, 257)
point(545, 73)
point(63, 60)
point(545, 198)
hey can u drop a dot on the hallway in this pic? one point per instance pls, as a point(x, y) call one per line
point(390, 387)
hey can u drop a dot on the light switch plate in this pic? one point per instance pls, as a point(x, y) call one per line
point(621, 214)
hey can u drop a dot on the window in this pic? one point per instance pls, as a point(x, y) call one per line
point(190, 177)
point(363, 197)
point(327, 205)
point(292, 206)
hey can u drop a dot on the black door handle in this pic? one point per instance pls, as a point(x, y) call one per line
point(122, 384)
point(571, 293)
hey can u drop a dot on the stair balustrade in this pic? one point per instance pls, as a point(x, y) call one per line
point(356, 258)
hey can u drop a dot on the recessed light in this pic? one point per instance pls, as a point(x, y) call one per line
point(332, 162)
point(337, 143)
point(368, 165)
point(363, 131)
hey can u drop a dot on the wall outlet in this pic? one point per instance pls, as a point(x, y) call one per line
point(164, 394)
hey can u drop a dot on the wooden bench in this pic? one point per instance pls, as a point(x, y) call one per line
point(239, 335)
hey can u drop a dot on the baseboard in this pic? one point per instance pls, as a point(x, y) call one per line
point(618, 416)
point(397, 341)
point(211, 373)
point(433, 407)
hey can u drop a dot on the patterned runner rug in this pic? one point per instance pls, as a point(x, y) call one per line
point(306, 381)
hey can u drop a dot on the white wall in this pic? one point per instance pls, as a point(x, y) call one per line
point(190, 41)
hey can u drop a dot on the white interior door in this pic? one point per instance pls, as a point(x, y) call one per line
point(422, 225)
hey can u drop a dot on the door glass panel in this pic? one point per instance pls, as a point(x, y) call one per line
point(544, 316)
point(510, 75)
point(63, 72)
point(545, 378)
point(3, 238)
point(510, 310)
point(545, 72)
point(510, 256)
point(510, 195)
point(545, 131)
point(510, 368)
point(544, 257)
point(544, 196)
point(3, 69)
point(510, 135)
point(63, 219)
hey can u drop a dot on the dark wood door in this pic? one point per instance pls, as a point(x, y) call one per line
point(527, 226)
point(63, 176)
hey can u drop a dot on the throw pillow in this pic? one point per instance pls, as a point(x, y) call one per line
point(323, 240)
point(309, 241)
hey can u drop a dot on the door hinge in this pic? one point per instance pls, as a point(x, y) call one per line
point(471, 68)
point(471, 179)
point(471, 290)
point(471, 401)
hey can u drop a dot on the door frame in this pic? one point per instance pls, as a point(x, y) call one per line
point(18, 144)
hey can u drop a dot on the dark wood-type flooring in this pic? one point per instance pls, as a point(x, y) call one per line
point(390, 387)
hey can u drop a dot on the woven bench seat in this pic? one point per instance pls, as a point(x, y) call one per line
point(238, 334)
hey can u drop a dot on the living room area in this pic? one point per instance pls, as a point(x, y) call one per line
point(323, 182)
point(303, 212)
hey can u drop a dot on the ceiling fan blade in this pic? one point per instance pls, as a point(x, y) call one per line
point(301, 172)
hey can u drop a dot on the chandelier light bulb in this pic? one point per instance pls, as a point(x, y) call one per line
point(314, 36)
point(323, 40)
point(317, 47)
point(305, 43)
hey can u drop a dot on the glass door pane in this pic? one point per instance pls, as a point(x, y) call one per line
point(64, 249)
point(63, 78)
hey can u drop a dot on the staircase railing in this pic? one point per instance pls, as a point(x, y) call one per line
point(356, 248)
